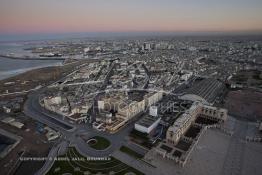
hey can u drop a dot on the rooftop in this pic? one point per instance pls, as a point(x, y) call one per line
point(147, 120)
point(208, 89)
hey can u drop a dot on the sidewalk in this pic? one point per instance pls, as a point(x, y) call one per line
point(135, 163)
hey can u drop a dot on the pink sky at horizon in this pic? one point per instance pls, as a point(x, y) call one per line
point(36, 16)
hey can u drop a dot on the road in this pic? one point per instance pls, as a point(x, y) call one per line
point(50, 159)
point(33, 109)
point(75, 134)
point(235, 153)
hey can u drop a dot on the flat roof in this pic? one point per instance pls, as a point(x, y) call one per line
point(8, 120)
point(207, 89)
point(147, 120)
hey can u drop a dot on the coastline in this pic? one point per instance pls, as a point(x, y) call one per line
point(39, 76)
point(9, 74)
point(33, 58)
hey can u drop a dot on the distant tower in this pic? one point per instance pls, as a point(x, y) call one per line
point(101, 105)
point(147, 46)
point(153, 111)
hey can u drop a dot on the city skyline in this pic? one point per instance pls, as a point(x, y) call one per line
point(30, 16)
point(131, 87)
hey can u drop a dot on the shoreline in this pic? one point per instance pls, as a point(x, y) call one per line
point(39, 76)
point(9, 74)
point(30, 58)
point(33, 78)
point(5, 74)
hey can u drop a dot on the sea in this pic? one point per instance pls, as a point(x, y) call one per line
point(11, 67)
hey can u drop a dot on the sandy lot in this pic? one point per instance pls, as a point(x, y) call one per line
point(216, 153)
point(244, 104)
point(34, 145)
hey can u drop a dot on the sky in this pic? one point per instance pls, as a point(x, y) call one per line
point(64, 16)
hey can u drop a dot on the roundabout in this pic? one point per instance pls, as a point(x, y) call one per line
point(98, 143)
point(79, 164)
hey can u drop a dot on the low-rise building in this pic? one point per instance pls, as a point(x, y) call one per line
point(153, 97)
point(125, 108)
point(182, 124)
point(11, 121)
point(177, 132)
point(147, 124)
point(16, 124)
point(8, 120)
point(51, 134)
point(130, 110)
